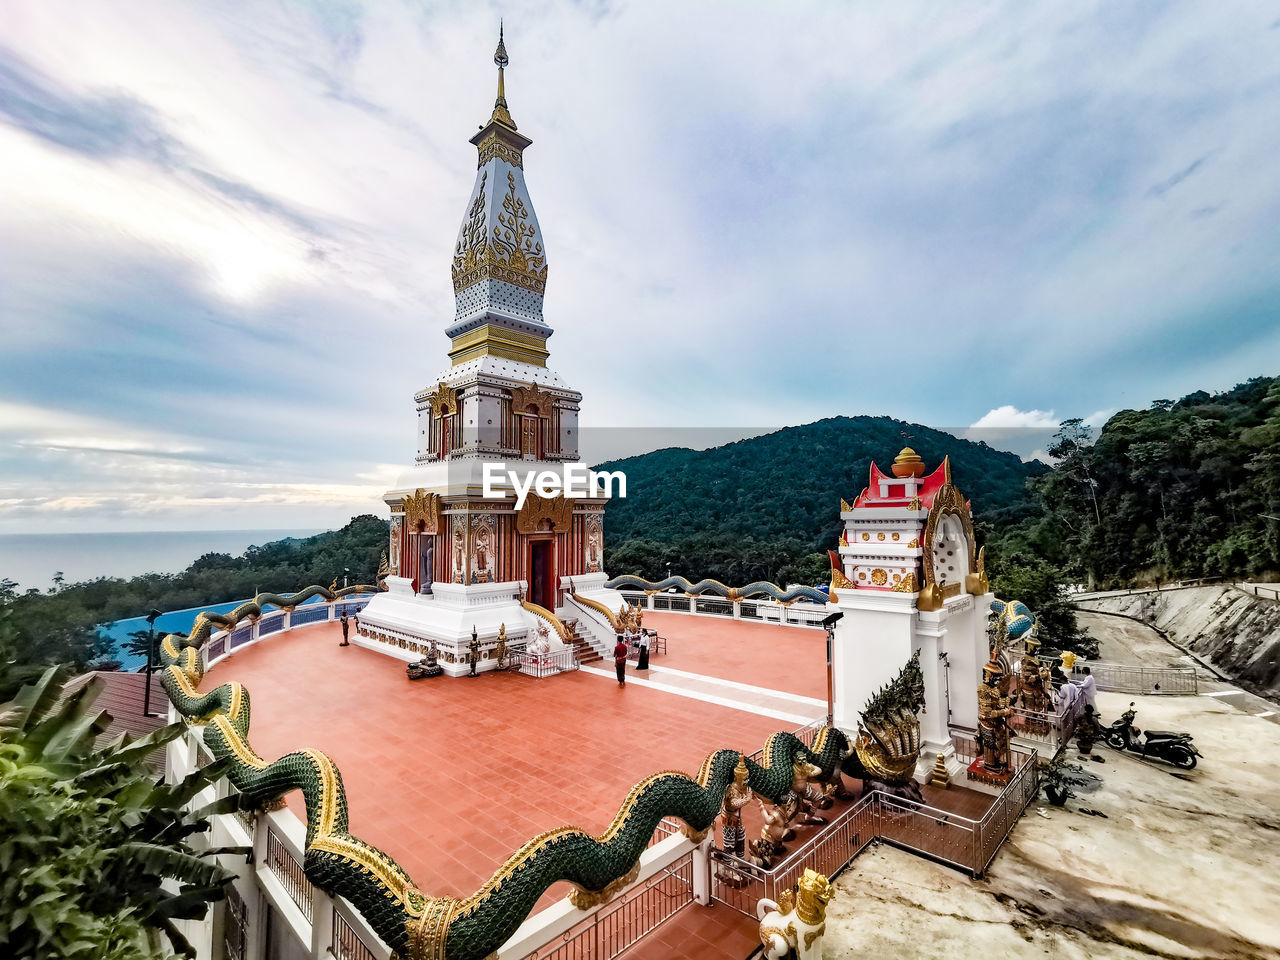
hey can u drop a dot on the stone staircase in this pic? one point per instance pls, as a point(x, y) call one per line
point(583, 652)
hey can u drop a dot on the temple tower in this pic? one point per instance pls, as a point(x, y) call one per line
point(498, 399)
point(464, 554)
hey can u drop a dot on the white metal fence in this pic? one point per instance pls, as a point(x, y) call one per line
point(798, 614)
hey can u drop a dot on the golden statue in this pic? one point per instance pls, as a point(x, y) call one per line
point(794, 928)
point(736, 796)
point(993, 717)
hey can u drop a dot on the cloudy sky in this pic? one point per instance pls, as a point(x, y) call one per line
point(225, 228)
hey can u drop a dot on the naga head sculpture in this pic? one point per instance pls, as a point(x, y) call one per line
point(888, 741)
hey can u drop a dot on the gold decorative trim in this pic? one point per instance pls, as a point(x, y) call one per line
point(443, 399)
point(494, 145)
point(492, 340)
point(948, 501)
point(429, 932)
point(510, 253)
point(692, 835)
point(561, 630)
point(844, 505)
point(838, 579)
point(531, 396)
point(236, 744)
point(599, 607)
point(977, 583)
point(557, 509)
point(425, 507)
point(906, 585)
point(585, 899)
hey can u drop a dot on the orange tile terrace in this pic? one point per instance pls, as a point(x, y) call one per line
point(451, 775)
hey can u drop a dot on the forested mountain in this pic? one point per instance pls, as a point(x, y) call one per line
point(768, 507)
point(1186, 488)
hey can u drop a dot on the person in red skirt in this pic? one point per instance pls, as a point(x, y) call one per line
point(620, 661)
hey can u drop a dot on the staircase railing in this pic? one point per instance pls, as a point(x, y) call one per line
point(561, 630)
point(600, 608)
point(593, 625)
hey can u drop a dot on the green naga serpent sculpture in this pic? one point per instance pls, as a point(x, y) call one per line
point(421, 927)
point(718, 589)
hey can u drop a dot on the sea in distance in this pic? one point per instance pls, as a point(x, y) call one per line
point(32, 560)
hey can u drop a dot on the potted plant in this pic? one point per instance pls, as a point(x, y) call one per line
point(1058, 777)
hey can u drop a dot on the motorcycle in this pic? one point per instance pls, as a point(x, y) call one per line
point(1175, 748)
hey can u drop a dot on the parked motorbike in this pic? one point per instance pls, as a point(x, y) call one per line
point(1175, 748)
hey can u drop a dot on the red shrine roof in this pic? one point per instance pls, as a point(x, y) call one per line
point(896, 488)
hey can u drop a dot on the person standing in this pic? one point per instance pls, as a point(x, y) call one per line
point(644, 651)
point(620, 660)
point(345, 628)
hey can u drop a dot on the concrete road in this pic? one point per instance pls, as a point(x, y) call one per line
point(1126, 641)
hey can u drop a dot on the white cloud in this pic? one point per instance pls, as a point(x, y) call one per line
point(1010, 417)
point(1099, 417)
point(1026, 198)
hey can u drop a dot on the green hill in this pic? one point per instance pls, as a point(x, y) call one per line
point(1183, 489)
point(768, 507)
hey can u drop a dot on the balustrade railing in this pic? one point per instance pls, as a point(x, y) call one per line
point(1131, 678)
point(271, 624)
point(611, 931)
point(941, 835)
point(311, 613)
point(287, 869)
point(539, 665)
point(345, 943)
point(795, 614)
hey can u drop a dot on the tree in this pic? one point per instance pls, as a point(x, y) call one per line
point(138, 642)
point(1038, 584)
point(89, 835)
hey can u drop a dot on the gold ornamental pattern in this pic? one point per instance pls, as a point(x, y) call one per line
point(494, 146)
point(522, 398)
point(510, 253)
point(558, 510)
point(443, 400)
point(947, 501)
point(425, 507)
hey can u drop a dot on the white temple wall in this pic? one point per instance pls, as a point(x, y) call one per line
point(966, 648)
point(930, 638)
point(488, 417)
point(872, 643)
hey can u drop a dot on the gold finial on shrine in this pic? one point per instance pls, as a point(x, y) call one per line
point(500, 112)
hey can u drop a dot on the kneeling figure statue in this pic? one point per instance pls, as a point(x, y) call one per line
point(792, 928)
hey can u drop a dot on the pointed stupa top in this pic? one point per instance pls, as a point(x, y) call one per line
point(500, 112)
point(499, 265)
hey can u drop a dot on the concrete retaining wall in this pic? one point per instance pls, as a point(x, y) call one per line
point(1235, 631)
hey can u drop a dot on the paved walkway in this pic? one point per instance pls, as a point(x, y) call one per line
point(787, 707)
point(789, 659)
point(1122, 640)
point(451, 775)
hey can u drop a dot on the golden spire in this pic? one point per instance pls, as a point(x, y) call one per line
point(500, 112)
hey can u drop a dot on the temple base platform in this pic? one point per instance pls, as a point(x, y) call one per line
point(404, 625)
